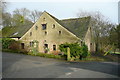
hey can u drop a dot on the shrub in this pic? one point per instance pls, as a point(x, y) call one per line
point(75, 50)
point(84, 51)
point(6, 42)
point(15, 45)
point(46, 55)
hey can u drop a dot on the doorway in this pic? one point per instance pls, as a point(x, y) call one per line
point(22, 46)
point(54, 47)
point(45, 48)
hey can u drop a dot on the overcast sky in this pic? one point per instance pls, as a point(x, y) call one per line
point(68, 9)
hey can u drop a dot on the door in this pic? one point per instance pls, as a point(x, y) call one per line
point(45, 48)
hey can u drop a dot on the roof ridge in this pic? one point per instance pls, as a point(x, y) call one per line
point(75, 18)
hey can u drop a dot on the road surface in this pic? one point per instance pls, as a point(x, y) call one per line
point(26, 66)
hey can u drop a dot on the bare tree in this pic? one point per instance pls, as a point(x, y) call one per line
point(3, 6)
point(7, 19)
point(20, 15)
point(23, 12)
point(100, 25)
point(35, 15)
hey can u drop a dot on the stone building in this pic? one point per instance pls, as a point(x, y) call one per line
point(49, 32)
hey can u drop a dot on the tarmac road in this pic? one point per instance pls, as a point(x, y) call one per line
point(26, 66)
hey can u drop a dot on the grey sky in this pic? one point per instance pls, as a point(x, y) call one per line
point(63, 10)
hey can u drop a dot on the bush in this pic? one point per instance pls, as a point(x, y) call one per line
point(46, 55)
point(15, 45)
point(84, 51)
point(75, 50)
point(6, 42)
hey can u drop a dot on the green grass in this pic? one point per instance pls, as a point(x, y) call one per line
point(47, 55)
point(115, 53)
point(93, 59)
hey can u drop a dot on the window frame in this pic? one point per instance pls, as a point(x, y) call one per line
point(44, 26)
point(31, 43)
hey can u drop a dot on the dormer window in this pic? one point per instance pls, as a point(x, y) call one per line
point(44, 26)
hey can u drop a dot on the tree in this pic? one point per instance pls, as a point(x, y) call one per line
point(6, 19)
point(21, 14)
point(114, 37)
point(21, 17)
point(75, 50)
point(100, 25)
point(34, 15)
point(3, 6)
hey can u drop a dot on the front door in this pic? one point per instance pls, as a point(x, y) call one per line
point(45, 48)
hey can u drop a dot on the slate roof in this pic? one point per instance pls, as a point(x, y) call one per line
point(16, 31)
point(77, 26)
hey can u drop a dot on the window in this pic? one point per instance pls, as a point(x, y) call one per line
point(22, 45)
point(36, 27)
point(59, 32)
point(90, 43)
point(54, 47)
point(45, 48)
point(45, 32)
point(46, 45)
point(44, 19)
point(30, 33)
point(81, 42)
point(31, 44)
point(90, 28)
point(44, 26)
point(53, 26)
point(44, 40)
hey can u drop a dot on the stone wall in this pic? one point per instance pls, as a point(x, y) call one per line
point(54, 34)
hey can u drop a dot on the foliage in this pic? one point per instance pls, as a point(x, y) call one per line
point(46, 55)
point(75, 50)
point(35, 47)
point(6, 42)
point(115, 36)
point(15, 45)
